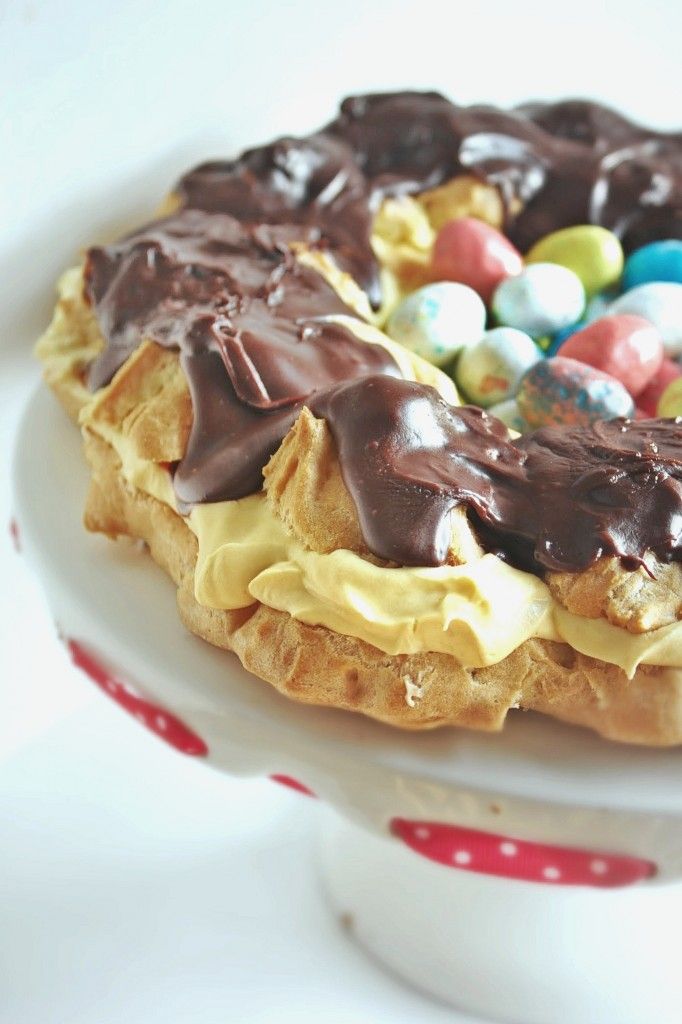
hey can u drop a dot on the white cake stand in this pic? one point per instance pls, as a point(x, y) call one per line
point(531, 877)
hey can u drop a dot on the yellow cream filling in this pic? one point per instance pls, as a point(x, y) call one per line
point(478, 612)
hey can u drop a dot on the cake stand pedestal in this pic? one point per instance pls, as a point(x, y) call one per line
point(508, 951)
point(531, 876)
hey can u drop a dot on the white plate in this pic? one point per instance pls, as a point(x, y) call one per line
point(537, 780)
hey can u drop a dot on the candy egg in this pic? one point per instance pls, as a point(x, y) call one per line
point(670, 402)
point(661, 303)
point(597, 306)
point(510, 414)
point(648, 400)
point(474, 253)
point(591, 252)
point(543, 299)
point(438, 320)
point(490, 370)
point(560, 390)
point(657, 261)
point(550, 346)
point(627, 347)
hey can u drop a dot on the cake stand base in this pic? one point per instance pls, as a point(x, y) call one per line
point(508, 951)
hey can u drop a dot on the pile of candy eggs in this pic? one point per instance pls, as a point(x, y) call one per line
point(571, 332)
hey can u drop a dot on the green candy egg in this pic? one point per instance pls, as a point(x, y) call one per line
point(591, 252)
point(670, 402)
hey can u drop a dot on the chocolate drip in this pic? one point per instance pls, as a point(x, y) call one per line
point(219, 281)
point(558, 498)
point(250, 324)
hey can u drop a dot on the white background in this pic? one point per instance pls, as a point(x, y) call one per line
point(135, 887)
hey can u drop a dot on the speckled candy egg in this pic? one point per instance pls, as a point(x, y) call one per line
point(661, 303)
point(510, 414)
point(647, 401)
point(491, 369)
point(657, 261)
point(591, 252)
point(543, 299)
point(437, 321)
point(627, 347)
point(474, 253)
point(560, 390)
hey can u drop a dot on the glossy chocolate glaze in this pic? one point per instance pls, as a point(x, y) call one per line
point(249, 322)
point(574, 162)
point(558, 498)
point(218, 280)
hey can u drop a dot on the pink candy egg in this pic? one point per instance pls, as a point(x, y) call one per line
point(667, 372)
point(473, 253)
point(626, 347)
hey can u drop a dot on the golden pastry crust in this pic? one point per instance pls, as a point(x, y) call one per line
point(71, 341)
point(148, 403)
point(148, 406)
point(314, 665)
point(306, 491)
point(633, 599)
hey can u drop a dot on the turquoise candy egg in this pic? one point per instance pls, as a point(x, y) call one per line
point(657, 261)
point(564, 391)
point(437, 321)
point(490, 370)
point(543, 299)
point(560, 337)
point(660, 302)
point(510, 414)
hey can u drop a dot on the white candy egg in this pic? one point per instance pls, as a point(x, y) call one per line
point(438, 320)
point(543, 299)
point(510, 414)
point(661, 303)
point(490, 370)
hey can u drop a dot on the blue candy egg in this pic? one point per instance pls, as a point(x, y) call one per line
point(657, 261)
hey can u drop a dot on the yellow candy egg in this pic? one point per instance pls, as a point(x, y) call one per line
point(591, 252)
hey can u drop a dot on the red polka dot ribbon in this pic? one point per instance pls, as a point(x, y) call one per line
point(161, 722)
point(491, 854)
point(14, 534)
point(287, 780)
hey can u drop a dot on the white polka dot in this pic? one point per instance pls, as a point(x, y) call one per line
point(509, 849)
point(422, 832)
point(461, 857)
point(111, 686)
point(140, 717)
point(161, 723)
point(598, 866)
point(551, 874)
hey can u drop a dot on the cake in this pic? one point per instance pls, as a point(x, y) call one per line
point(326, 508)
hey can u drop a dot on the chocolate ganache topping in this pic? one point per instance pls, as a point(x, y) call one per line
point(219, 280)
point(560, 497)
